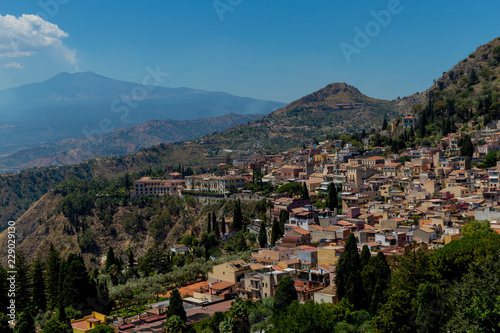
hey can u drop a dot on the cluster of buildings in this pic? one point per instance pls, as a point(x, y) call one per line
point(388, 201)
point(423, 195)
point(259, 277)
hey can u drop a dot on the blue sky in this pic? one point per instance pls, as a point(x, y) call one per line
point(277, 50)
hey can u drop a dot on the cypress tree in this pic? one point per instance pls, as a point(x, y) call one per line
point(275, 232)
point(110, 259)
point(365, 256)
point(238, 217)
point(215, 226)
point(223, 225)
point(262, 234)
point(376, 277)
point(422, 123)
point(384, 124)
point(175, 307)
point(348, 274)
point(61, 312)
point(466, 146)
point(332, 200)
point(305, 191)
point(284, 216)
point(209, 223)
point(131, 259)
point(206, 254)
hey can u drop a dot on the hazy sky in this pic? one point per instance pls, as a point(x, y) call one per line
point(278, 50)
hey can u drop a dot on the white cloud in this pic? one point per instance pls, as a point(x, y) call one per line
point(26, 35)
point(13, 65)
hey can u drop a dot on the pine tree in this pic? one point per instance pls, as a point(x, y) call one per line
point(384, 124)
point(4, 323)
point(263, 234)
point(76, 288)
point(275, 232)
point(52, 278)
point(37, 276)
point(348, 274)
point(23, 282)
point(175, 307)
point(25, 322)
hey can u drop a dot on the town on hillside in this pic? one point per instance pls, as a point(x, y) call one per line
point(321, 195)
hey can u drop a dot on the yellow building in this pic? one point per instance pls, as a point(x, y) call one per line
point(319, 158)
point(448, 238)
point(327, 255)
point(232, 272)
point(88, 323)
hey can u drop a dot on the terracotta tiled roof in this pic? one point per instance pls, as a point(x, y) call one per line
point(221, 285)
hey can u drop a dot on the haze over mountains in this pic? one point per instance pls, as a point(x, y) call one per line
point(83, 104)
point(119, 142)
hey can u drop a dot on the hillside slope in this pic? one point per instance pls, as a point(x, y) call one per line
point(161, 222)
point(469, 91)
point(337, 108)
point(119, 142)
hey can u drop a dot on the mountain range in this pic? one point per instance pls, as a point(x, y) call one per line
point(87, 104)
